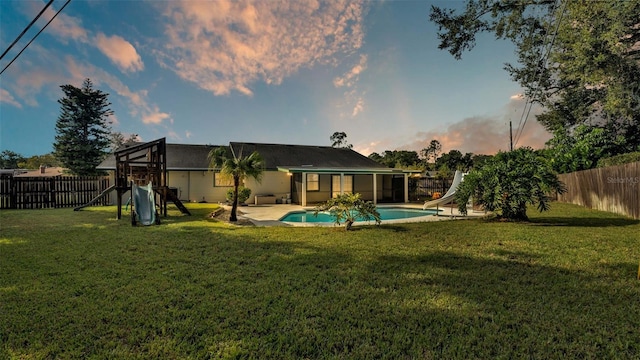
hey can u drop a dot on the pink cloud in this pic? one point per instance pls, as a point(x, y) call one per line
point(351, 76)
point(225, 46)
point(358, 108)
point(352, 97)
point(64, 26)
point(114, 120)
point(155, 117)
point(480, 135)
point(486, 134)
point(27, 80)
point(120, 52)
point(138, 104)
point(7, 98)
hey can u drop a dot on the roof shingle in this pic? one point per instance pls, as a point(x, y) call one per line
point(279, 155)
point(195, 157)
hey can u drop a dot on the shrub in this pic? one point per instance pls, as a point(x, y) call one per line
point(243, 194)
point(509, 182)
point(620, 159)
point(348, 208)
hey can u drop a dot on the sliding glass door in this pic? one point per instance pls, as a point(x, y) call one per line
point(347, 185)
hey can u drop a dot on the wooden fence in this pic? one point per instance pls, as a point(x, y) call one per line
point(614, 189)
point(50, 192)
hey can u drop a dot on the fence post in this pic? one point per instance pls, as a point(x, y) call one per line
point(14, 193)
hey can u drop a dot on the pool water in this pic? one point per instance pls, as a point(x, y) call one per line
point(390, 213)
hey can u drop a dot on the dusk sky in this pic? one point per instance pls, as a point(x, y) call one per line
point(291, 72)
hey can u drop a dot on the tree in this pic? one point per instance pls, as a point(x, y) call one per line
point(406, 158)
point(10, 159)
point(454, 160)
point(397, 158)
point(118, 139)
point(432, 151)
point(376, 157)
point(238, 167)
point(36, 161)
point(579, 59)
point(82, 139)
point(349, 208)
point(582, 149)
point(479, 160)
point(509, 182)
point(339, 140)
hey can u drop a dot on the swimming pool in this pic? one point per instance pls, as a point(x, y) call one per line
point(386, 213)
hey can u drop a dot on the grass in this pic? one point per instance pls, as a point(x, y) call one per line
point(84, 285)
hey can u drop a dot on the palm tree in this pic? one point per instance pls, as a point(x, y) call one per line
point(238, 167)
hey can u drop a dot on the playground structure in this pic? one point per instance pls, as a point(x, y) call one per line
point(142, 165)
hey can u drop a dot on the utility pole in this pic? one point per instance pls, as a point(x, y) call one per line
point(510, 137)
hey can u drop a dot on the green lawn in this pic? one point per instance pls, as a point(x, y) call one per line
point(84, 285)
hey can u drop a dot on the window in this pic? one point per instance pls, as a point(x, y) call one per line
point(335, 185)
point(220, 180)
point(313, 182)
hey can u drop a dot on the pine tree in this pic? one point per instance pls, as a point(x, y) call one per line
point(83, 131)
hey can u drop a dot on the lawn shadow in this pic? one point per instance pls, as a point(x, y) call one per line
point(513, 299)
point(582, 221)
point(394, 228)
point(198, 291)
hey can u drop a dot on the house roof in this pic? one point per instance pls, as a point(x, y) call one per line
point(43, 172)
point(179, 157)
point(305, 156)
point(294, 158)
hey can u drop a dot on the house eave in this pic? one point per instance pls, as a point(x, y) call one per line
point(335, 170)
point(168, 169)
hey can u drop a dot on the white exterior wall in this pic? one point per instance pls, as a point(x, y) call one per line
point(180, 181)
point(196, 186)
point(202, 189)
point(275, 183)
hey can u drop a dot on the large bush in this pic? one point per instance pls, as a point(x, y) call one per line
point(509, 182)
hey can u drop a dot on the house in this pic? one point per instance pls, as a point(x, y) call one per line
point(300, 174)
point(43, 171)
point(12, 172)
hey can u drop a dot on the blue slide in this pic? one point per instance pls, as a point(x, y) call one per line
point(144, 204)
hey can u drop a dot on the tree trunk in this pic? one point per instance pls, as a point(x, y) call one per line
point(234, 206)
point(518, 213)
point(348, 224)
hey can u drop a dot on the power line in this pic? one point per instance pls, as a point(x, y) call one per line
point(29, 43)
point(26, 29)
point(531, 31)
point(544, 64)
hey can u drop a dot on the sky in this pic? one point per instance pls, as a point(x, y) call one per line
point(289, 72)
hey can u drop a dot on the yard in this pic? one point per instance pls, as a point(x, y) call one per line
point(84, 285)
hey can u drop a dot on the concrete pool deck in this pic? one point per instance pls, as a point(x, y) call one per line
point(268, 215)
